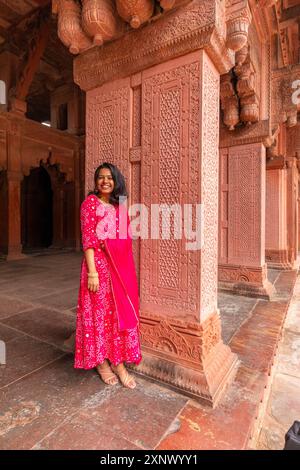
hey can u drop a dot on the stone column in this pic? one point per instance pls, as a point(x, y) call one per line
point(14, 178)
point(181, 327)
point(242, 266)
point(276, 218)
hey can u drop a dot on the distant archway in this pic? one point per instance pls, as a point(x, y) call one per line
point(37, 210)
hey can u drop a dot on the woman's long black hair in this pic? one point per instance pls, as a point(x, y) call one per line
point(119, 182)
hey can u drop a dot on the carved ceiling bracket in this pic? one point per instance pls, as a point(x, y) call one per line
point(239, 100)
point(238, 19)
point(195, 25)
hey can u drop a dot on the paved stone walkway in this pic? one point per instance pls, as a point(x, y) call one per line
point(283, 406)
point(46, 404)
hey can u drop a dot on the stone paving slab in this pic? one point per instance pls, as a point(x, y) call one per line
point(43, 324)
point(24, 355)
point(10, 306)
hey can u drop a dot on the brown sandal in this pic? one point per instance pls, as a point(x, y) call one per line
point(107, 375)
point(126, 379)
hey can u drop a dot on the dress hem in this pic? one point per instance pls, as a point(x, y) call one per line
point(136, 362)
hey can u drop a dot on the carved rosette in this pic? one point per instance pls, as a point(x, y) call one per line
point(70, 31)
point(99, 20)
point(135, 12)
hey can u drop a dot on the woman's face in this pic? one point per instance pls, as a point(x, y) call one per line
point(105, 182)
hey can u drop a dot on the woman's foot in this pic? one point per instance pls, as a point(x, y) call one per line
point(107, 374)
point(126, 379)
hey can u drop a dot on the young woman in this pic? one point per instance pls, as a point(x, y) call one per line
point(107, 326)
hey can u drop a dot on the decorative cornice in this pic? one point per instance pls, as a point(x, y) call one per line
point(284, 109)
point(191, 27)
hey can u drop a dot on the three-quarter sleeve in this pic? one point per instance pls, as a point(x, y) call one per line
point(88, 223)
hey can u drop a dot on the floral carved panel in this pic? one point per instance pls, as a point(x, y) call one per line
point(108, 128)
point(246, 224)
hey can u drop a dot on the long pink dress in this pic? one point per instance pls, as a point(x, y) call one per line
point(107, 325)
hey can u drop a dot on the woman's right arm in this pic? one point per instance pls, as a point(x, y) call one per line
point(93, 278)
point(89, 240)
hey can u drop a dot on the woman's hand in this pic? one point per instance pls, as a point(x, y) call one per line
point(93, 282)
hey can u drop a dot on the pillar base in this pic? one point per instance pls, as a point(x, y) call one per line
point(15, 254)
point(243, 280)
point(187, 357)
point(278, 259)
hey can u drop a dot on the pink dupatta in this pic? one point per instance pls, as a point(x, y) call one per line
point(115, 237)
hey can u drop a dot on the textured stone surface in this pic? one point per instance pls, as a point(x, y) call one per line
point(235, 309)
point(44, 324)
point(10, 306)
point(24, 355)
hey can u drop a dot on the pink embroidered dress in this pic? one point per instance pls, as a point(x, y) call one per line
point(107, 325)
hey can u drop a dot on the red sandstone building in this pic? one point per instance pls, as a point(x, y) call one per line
point(195, 101)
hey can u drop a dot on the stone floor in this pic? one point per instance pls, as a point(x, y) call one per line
point(46, 404)
point(283, 406)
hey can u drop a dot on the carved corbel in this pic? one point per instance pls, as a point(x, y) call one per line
point(246, 91)
point(229, 102)
point(99, 20)
point(241, 55)
point(135, 12)
point(69, 28)
point(238, 19)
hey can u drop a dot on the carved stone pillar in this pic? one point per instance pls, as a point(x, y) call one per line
point(242, 266)
point(277, 255)
point(181, 327)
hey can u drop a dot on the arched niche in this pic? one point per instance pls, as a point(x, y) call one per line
point(36, 210)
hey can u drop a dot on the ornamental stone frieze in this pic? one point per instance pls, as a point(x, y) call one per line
point(195, 25)
point(83, 25)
